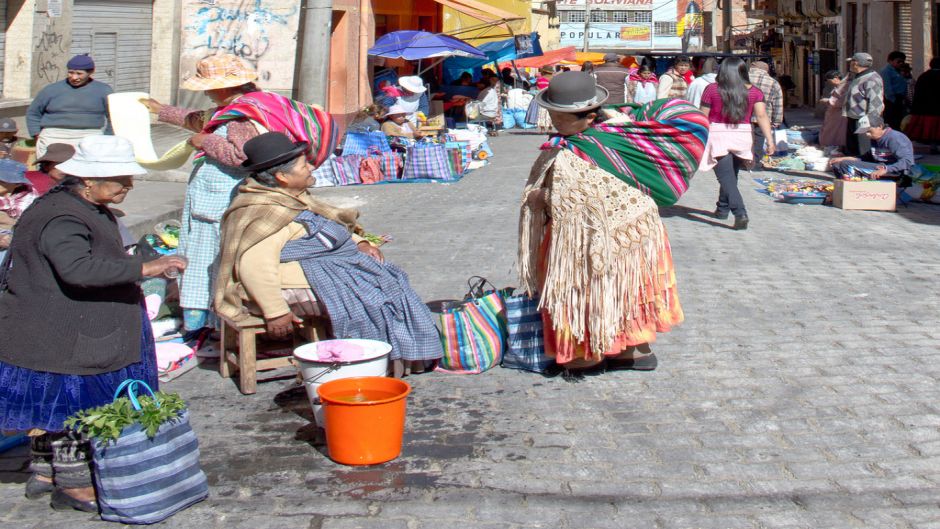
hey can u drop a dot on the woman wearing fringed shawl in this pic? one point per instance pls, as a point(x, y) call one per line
point(286, 255)
point(592, 244)
point(243, 111)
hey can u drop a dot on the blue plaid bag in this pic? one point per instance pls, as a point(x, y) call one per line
point(346, 169)
point(324, 175)
point(426, 161)
point(143, 480)
point(525, 348)
point(362, 143)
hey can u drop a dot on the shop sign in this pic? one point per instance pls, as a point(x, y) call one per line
point(606, 3)
point(606, 34)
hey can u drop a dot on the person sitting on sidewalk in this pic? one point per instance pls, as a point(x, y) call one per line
point(397, 125)
point(48, 175)
point(289, 255)
point(891, 156)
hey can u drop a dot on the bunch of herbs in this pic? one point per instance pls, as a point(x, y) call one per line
point(106, 423)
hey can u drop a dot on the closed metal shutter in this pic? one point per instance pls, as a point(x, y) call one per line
point(3, 38)
point(904, 40)
point(117, 34)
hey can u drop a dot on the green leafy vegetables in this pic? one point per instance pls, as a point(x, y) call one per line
point(106, 422)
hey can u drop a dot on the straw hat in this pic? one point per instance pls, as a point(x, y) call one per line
point(220, 71)
point(102, 157)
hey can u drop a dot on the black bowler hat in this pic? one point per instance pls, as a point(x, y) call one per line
point(270, 149)
point(572, 92)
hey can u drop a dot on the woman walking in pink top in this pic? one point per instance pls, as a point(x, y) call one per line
point(729, 103)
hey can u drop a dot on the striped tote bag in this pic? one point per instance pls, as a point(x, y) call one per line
point(525, 342)
point(144, 480)
point(474, 334)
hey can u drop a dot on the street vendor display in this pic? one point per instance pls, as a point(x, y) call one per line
point(592, 244)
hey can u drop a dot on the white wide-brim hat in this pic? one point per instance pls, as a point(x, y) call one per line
point(412, 83)
point(102, 157)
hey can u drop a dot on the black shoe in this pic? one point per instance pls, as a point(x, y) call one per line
point(63, 502)
point(36, 489)
point(720, 215)
point(644, 363)
point(740, 223)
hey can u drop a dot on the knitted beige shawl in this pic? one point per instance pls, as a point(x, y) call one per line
point(603, 266)
point(257, 213)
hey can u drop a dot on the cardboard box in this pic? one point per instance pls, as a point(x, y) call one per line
point(876, 196)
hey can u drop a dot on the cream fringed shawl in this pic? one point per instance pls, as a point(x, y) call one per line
point(603, 267)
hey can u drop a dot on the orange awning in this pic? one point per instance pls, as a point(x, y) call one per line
point(479, 10)
point(546, 59)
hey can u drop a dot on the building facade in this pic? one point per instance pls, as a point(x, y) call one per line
point(150, 45)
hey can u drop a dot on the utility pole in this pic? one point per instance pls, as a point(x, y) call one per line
point(313, 72)
point(726, 15)
point(587, 25)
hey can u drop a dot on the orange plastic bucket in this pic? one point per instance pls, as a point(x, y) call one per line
point(365, 418)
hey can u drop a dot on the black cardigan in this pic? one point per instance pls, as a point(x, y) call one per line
point(72, 303)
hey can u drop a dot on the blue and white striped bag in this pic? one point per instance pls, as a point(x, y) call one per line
point(144, 480)
point(525, 347)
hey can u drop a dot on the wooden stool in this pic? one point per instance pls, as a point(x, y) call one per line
point(241, 353)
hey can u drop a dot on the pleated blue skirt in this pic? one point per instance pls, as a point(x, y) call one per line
point(38, 399)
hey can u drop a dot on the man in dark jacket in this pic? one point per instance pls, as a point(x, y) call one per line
point(613, 76)
point(891, 155)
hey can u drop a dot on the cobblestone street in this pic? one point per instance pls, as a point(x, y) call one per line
point(802, 391)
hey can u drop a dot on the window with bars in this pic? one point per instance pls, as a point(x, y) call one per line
point(665, 29)
point(599, 16)
point(571, 16)
point(632, 16)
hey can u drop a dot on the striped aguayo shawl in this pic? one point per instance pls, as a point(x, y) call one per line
point(657, 153)
point(276, 113)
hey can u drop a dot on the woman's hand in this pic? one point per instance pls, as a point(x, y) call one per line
point(152, 105)
point(281, 327)
point(158, 267)
point(367, 248)
point(5, 241)
point(198, 140)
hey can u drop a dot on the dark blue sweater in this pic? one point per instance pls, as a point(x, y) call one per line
point(893, 150)
point(63, 106)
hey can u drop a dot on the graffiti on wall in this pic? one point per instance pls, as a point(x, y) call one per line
point(50, 54)
point(262, 32)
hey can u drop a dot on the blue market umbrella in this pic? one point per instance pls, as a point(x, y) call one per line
point(416, 45)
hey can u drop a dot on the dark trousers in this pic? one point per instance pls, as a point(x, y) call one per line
point(844, 168)
point(758, 148)
point(894, 112)
point(729, 196)
point(855, 144)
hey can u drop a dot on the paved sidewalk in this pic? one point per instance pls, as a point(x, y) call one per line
point(801, 392)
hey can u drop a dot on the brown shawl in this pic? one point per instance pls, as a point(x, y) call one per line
point(258, 212)
point(603, 266)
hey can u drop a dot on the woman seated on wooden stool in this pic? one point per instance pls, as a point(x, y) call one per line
point(288, 254)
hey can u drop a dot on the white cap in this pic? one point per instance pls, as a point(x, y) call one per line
point(102, 157)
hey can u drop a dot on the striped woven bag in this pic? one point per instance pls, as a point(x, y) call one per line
point(474, 333)
point(143, 480)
